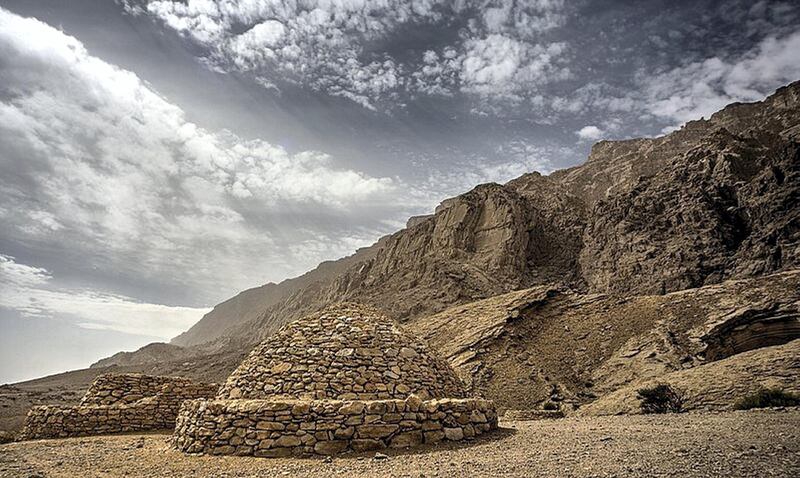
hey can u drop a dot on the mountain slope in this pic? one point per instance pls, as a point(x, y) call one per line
point(715, 386)
point(545, 343)
point(718, 199)
point(251, 303)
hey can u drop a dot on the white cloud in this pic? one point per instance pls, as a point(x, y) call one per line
point(329, 46)
point(29, 291)
point(21, 275)
point(700, 88)
point(667, 98)
point(590, 132)
point(120, 175)
point(318, 43)
point(102, 172)
point(495, 68)
point(492, 63)
point(500, 65)
point(523, 17)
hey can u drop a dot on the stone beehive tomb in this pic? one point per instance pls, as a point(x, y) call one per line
point(345, 379)
point(118, 403)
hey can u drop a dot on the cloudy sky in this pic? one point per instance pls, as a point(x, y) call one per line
point(158, 156)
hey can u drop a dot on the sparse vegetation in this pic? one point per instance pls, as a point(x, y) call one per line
point(660, 398)
point(550, 406)
point(767, 397)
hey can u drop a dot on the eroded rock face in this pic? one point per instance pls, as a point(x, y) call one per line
point(751, 328)
point(347, 352)
point(730, 207)
point(714, 200)
point(717, 385)
point(718, 199)
point(528, 347)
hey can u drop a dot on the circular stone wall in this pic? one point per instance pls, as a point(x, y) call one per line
point(278, 428)
point(347, 352)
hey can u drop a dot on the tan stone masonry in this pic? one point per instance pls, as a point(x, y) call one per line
point(120, 388)
point(117, 403)
point(275, 428)
point(348, 352)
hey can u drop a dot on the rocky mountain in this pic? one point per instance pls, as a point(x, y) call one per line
point(656, 256)
point(149, 353)
point(717, 199)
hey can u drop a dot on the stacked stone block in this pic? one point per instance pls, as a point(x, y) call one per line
point(280, 428)
point(122, 388)
point(348, 352)
point(118, 403)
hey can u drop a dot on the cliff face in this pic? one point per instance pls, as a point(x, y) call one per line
point(615, 167)
point(491, 240)
point(716, 199)
point(729, 207)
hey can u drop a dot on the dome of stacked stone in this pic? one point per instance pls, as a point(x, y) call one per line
point(347, 379)
point(347, 352)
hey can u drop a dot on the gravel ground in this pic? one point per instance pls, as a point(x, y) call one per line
point(755, 443)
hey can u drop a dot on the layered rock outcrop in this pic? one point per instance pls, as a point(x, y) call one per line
point(546, 344)
point(752, 327)
point(346, 379)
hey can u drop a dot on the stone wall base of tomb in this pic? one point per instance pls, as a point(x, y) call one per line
point(279, 428)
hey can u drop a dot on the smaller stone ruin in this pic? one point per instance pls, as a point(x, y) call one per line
point(117, 403)
point(346, 379)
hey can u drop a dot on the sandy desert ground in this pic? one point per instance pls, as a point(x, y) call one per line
point(730, 444)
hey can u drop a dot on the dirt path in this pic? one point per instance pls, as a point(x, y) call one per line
point(762, 443)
